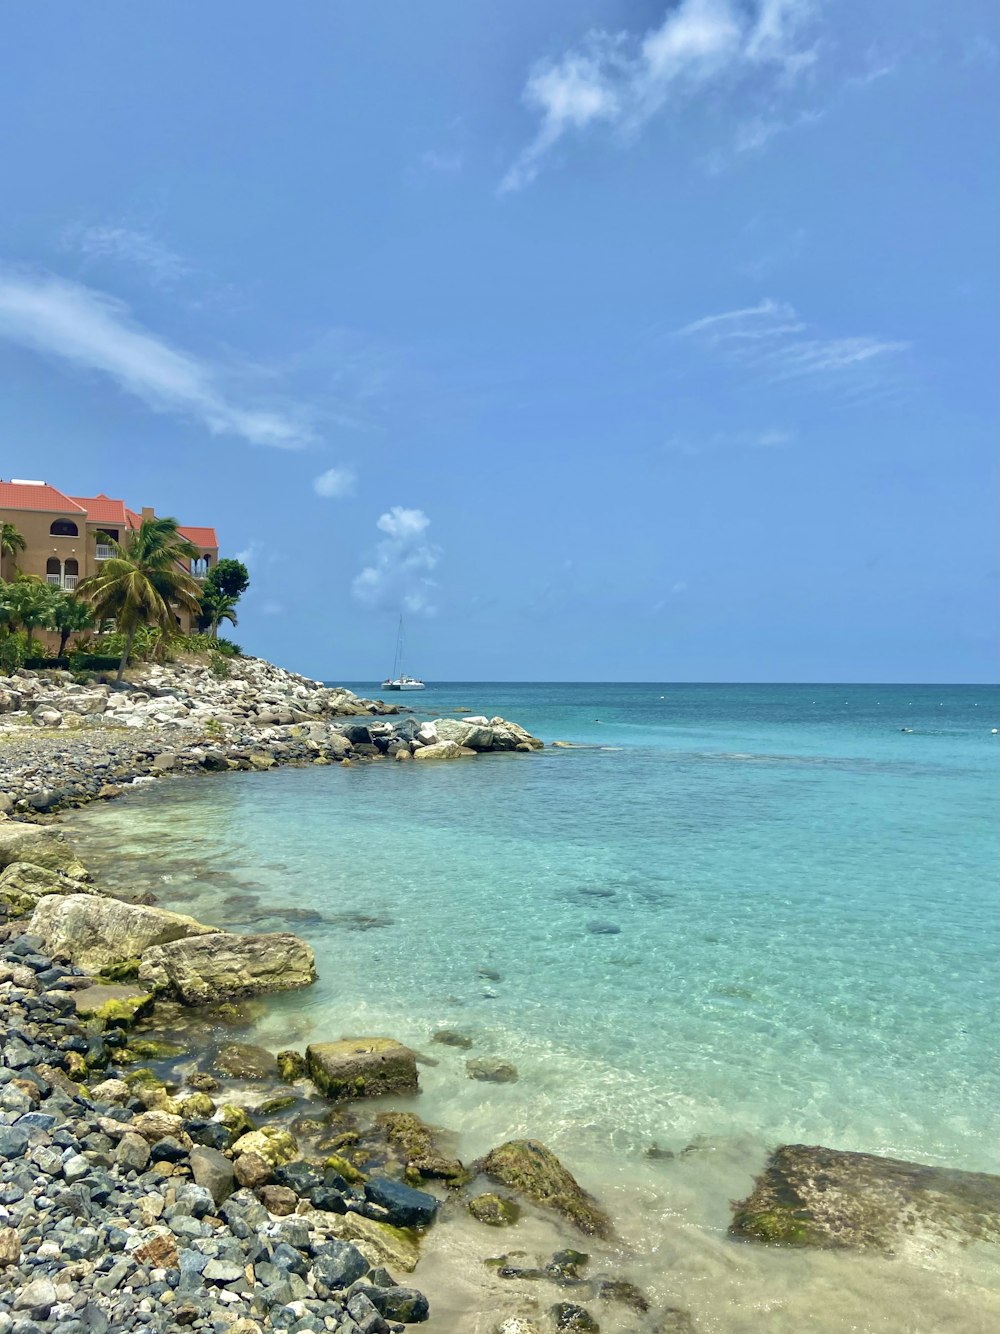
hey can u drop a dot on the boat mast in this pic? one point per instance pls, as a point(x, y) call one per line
point(397, 665)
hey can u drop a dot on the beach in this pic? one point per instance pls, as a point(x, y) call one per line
point(671, 1017)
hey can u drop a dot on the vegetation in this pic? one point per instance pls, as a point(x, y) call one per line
point(143, 582)
point(127, 611)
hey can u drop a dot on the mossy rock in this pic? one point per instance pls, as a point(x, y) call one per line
point(127, 970)
point(362, 1067)
point(336, 1162)
point(280, 1103)
point(814, 1196)
point(75, 1065)
point(291, 1066)
point(197, 1107)
point(236, 1120)
point(415, 1142)
point(274, 1145)
point(153, 1049)
point(536, 1173)
point(494, 1210)
point(144, 1078)
point(113, 1004)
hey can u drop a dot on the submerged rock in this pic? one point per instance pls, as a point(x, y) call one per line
point(416, 1144)
point(245, 1060)
point(813, 1196)
point(535, 1172)
point(202, 970)
point(490, 1071)
point(362, 1067)
point(97, 932)
point(494, 1210)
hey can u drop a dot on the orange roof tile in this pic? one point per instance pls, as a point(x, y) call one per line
point(18, 496)
point(201, 537)
point(102, 509)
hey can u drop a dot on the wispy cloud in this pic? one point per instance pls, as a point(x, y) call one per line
point(768, 437)
point(447, 164)
point(138, 247)
point(94, 331)
point(398, 577)
point(335, 483)
point(622, 80)
point(776, 342)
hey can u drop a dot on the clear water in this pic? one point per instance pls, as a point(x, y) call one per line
point(735, 916)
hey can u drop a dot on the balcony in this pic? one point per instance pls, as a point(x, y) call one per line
point(104, 552)
point(66, 581)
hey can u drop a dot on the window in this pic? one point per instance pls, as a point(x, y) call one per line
point(64, 528)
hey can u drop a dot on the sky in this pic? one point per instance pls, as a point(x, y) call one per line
point(604, 341)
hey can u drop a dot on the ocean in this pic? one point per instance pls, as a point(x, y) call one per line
point(727, 917)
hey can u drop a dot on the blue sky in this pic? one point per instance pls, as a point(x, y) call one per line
point(612, 341)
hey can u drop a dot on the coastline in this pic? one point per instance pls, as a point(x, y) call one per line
point(446, 1269)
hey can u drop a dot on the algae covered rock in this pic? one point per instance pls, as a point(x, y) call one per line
point(245, 1060)
point(291, 1066)
point(45, 847)
point(274, 1145)
point(362, 1067)
point(536, 1173)
point(114, 1004)
point(494, 1210)
point(199, 971)
point(490, 1071)
point(98, 932)
point(22, 884)
point(416, 1145)
point(380, 1243)
point(813, 1196)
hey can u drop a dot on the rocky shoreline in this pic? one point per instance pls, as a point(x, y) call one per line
point(64, 742)
point(160, 1172)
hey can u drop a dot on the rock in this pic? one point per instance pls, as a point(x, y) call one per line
point(536, 1173)
point(252, 1171)
point(362, 1067)
point(415, 1142)
point(244, 1060)
point(214, 1171)
point(338, 1264)
point(291, 1066)
point(115, 1004)
point(516, 1324)
point(37, 1298)
point(566, 1315)
point(41, 846)
point(813, 1196)
point(379, 1243)
point(508, 736)
point(405, 1206)
point(22, 884)
point(273, 1145)
point(278, 1200)
point(494, 1210)
point(114, 1091)
point(10, 1247)
point(159, 1252)
point(490, 1071)
point(208, 968)
point(97, 932)
point(442, 750)
point(449, 1038)
point(132, 1153)
point(155, 1125)
point(397, 1303)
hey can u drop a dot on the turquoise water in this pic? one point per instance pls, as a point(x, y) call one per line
point(735, 916)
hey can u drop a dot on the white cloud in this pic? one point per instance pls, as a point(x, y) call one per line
point(446, 163)
point(398, 577)
point(137, 246)
point(96, 332)
point(772, 339)
point(622, 80)
point(335, 483)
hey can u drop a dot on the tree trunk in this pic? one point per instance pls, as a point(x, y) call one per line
point(63, 641)
point(128, 649)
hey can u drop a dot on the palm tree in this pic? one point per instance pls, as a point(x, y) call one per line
point(69, 617)
point(143, 582)
point(27, 603)
point(11, 541)
point(216, 607)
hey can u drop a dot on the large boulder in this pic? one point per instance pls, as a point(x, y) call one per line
point(22, 884)
point(362, 1067)
point(95, 933)
point(509, 736)
point(442, 750)
point(813, 1196)
point(206, 968)
point(42, 846)
point(535, 1172)
point(473, 733)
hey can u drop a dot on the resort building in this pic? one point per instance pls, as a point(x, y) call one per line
point(66, 536)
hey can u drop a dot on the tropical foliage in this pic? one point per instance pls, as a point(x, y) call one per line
point(143, 582)
point(224, 585)
point(12, 541)
point(217, 606)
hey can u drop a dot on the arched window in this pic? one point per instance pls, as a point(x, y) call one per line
point(64, 528)
point(53, 565)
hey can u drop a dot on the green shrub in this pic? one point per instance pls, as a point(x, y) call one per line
point(94, 662)
point(13, 652)
point(36, 663)
point(219, 667)
point(228, 648)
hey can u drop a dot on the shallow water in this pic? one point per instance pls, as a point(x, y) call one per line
point(736, 916)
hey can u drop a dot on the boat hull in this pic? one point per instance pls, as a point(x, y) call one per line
point(403, 685)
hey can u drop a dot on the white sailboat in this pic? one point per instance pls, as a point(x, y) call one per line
point(399, 680)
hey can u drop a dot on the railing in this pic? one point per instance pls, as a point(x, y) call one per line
point(104, 552)
point(70, 581)
point(54, 579)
